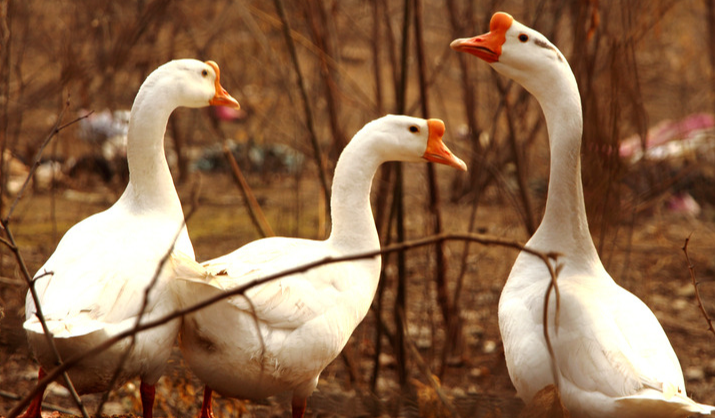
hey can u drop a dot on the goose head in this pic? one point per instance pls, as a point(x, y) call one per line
point(409, 139)
point(191, 83)
point(518, 52)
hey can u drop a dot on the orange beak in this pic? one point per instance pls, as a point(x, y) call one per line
point(222, 98)
point(436, 151)
point(487, 46)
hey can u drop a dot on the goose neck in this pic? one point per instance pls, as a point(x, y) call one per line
point(564, 227)
point(353, 224)
point(150, 183)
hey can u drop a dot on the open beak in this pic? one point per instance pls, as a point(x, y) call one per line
point(482, 46)
point(487, 46)
point(222, 98)
point(436, 151)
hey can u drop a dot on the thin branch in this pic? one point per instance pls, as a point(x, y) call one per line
point(519, 164)
point(54, 131)
point(427, 373)
point(38, 313)
point(306, 102)
point(407, 245)
point(398, 200)
point(376, 61)
point(16, 397)
point(12, 245)
point(249, 199)
point(361, 98)
point(5, 75)
point(382, 283)
point(322, 40)
point(10, 281)
point(691, 267)
point(552, 285)
point(435, 210)
point(145, 301)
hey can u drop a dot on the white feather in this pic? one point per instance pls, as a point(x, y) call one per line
point(283, 333)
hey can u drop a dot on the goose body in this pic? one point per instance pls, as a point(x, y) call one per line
point(612, 357)
point(293, 327)
point(93, 285)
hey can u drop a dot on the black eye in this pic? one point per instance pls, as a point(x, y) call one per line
point(414, 129)
point(205, 73)
point(523, 37)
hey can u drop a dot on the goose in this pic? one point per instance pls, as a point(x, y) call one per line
point(92, 287)
point(285, 332)
point(611, 355)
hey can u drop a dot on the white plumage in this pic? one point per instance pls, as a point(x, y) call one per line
point(612, 356)
point(287, 331)
point(93, 285)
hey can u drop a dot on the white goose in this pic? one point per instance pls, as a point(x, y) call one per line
point(305, 319)
point(613, 358)
point(92, 287)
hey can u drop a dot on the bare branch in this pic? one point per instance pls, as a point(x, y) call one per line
point(10, 243)
point(360, 97)
point(31, 284)
point(54, 131)
point(407, 245)
point(691, 267)
point(16, 397)
point(427, 373)
point(553, 285)
point(249, 199)
point(145, 300)
point(317, 154)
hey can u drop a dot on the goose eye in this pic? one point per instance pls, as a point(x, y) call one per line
point(414, 129)
point(523, 37)
point(205, 73)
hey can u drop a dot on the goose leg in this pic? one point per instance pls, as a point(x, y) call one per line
point(298, 405)
point(34, 410)
point(147, 394)
point(206, 410)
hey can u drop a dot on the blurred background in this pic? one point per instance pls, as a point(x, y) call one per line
point(308, 75)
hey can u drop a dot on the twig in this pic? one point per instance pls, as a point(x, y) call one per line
point(5, 59)
point(361, 98)
point(11, 281)
point(398, 201)
point(322, 40)
point(306, 101)
point(447, 309)
point(519, 165)
point(249, 199)
point(376, 61)
point(379, 297)
point(400, 307)
point(691, 267)
point(479, 238)
point(54, 131)
point(427, 373)
point(15, 397)
point(552, 285)
point(145, 301)
point(12, 245)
